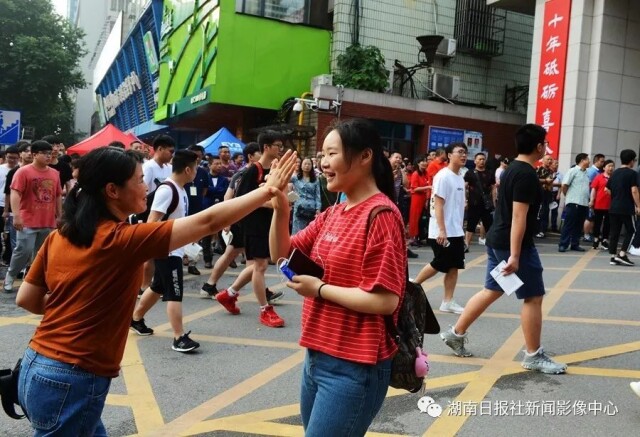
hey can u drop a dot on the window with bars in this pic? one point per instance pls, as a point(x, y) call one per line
point(479, 29)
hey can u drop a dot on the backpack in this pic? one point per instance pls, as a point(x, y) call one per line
point(175, 198)
point(239, 181)
point(415, 318)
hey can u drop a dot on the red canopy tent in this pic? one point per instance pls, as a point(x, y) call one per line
point(102, 138)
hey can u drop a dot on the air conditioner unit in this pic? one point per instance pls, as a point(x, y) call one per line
point(446, 48)
point(323, 79)
point(446, 86)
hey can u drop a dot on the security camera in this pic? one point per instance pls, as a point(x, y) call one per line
point(313, 106)
point(297, 107)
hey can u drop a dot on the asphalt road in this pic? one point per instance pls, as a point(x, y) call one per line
point(244, 379)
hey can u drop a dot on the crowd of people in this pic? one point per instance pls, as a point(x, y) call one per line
point(130, 221)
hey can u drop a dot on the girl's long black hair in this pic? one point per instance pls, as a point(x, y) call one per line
point(85, 205)
point(357, 135)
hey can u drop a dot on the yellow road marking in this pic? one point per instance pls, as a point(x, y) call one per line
point(23, 320)
point(609, 373)
point(142, 401)
point(612, 322)
point(491, 372)
point(602, 352)
point(588, 290)
point(183, 423)
point(237, 341)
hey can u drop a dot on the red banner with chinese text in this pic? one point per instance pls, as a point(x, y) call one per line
point(553, 67)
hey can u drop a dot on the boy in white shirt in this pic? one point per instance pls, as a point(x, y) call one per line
point(170, 202)
point(446, 233)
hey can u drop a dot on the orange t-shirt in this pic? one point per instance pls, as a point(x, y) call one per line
point(432, 169)
point(93, 292)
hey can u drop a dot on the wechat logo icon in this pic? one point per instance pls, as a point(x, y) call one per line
point(427, 405)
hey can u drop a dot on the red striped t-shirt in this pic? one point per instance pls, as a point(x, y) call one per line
point(338, 241)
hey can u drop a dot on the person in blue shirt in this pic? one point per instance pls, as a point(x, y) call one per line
point(197, 191)
point(218, 185)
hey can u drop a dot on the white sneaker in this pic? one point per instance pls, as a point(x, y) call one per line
point(635, 386)
point(635, 251)
point(8, 283)
point(482, 241)
point(451, 307)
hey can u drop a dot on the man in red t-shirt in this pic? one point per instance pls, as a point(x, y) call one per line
point(438, 163)
point(36, 202)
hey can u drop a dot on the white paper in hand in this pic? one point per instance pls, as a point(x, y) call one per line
point(227, 237)
point(509, 283)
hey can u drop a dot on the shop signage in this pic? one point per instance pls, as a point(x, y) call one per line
point(130, 85)
point(553, 67)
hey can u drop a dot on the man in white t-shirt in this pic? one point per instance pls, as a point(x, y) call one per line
point(446, 233)
point(170, 202)
point(158, 169)
point(155, 171)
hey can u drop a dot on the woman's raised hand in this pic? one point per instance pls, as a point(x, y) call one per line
point(281, 171)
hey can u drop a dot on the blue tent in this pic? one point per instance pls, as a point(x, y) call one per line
point(222, 138)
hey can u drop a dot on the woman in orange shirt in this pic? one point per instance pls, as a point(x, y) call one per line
point(419, 187)
point(84, 281)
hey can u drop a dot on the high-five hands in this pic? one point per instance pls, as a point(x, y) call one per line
point(280, 177)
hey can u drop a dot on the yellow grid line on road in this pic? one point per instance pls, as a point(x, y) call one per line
point(149, 420)
point(493, 370)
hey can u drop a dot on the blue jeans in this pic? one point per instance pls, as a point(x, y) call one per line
point(339, 397)
point(61, 399)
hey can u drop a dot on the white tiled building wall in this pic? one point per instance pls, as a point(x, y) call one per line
point(393, 25)
point(602, 87)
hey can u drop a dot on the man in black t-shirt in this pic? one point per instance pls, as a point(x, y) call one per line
point(63, 168)
point(481, 184)
point(625, 205)
point(256, 227)
point(510, 240)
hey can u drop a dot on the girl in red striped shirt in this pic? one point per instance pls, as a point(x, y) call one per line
point(348, 364)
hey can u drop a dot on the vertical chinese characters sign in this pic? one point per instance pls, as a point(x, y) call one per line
point(553, 67)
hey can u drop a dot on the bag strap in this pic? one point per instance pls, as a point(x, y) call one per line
point(175, 199)
point(260, 172)
point(390, 325)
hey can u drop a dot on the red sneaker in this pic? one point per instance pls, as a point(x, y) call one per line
point(229, 302)
point(268, 317)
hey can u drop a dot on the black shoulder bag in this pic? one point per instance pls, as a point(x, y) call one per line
point(9, 390)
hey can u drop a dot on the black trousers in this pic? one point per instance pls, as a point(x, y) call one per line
point(207, 253)
point(601, 226)
point(636, 236)
point(616, 222)
point(5, 240)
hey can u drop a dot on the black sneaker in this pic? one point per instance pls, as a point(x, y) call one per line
point(604, 245)
point(208, 290)
point(411, 254)
point(140, 328)
point(184, 344)
point(193, 270)
point(140, 293)
point(233, 264)
point(623, 260)
point(273, 296)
